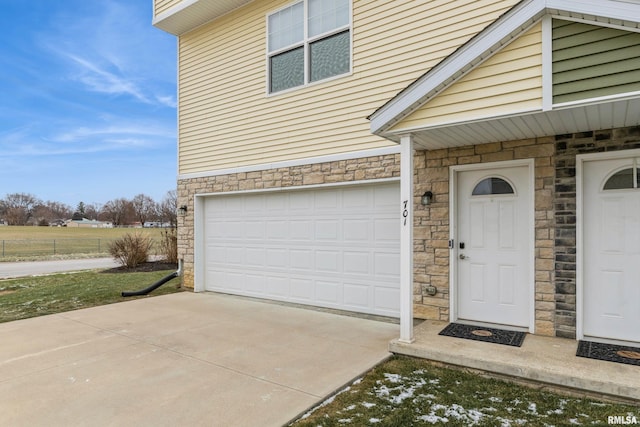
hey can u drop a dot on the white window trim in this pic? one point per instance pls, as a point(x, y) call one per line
point(306, 42)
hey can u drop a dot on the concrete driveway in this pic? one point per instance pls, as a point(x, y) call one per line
point(181, 360)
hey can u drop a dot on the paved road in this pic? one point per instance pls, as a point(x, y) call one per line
point(37, 268)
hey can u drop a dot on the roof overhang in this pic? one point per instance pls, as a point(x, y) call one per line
point(190, 14)
point(572, 118)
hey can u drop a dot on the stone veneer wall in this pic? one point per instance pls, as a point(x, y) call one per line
point(431, 233)
point(361, 169)
point(567, 148)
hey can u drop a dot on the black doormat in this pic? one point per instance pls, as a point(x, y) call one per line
point(609, 352)
point(479, 333)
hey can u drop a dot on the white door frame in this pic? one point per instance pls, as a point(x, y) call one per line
point(580, 161)
point(453, 231)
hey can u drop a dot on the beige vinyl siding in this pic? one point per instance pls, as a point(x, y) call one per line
point(591, 61)
point(228, 120)
point(510, 81)
point(160, 6)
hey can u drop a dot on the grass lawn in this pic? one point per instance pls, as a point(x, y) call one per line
point(36, 296)
point(412, 392)
point(22, 242)
point(27, 232)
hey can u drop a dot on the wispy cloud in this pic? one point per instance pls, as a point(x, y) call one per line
point(115, 55)
point(99, 80)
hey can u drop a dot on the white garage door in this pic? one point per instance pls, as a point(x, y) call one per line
point(334, 247)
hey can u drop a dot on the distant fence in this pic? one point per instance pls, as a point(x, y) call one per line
point(40, 247)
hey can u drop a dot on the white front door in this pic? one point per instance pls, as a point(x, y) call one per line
point(611, 285)
point(493, 246)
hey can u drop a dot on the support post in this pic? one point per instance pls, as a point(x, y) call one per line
point(406, 239)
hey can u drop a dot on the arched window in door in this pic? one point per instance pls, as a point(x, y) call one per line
point(493, 185)
point(623, 179)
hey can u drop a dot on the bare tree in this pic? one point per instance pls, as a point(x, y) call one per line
point(144, 208)
point(17, 208)
point(169, 207)
point(92, 211)
point(45, 213)
point(117, 211)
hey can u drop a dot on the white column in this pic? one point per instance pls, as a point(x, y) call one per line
point(406, 239)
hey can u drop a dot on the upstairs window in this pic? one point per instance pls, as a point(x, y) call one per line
point(308, 41)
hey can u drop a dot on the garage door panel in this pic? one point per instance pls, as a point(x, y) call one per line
point(277, 286)
point(385, 299)
point(254, 284)
point(357, 263)
point(385, 197)
point(326, 201)
point(277, 258)
point(254, 230)
point(356, 199)
point(255, 257)
point(301, 259)
point(387, 264)
point(333, 247)
point(357, 230)
point(302, 290)
point(277, 230)
point(327, 230)
point(329, 292)
point(357, 295)
point(301, 230)
point(276, 203)
point(301, 201)
point(385, 230)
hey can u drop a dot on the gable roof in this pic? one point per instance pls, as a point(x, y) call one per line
point(621, 13)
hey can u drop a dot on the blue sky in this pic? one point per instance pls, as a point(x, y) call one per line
point(87, 101)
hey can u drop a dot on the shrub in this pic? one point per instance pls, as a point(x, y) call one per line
point(131, 249)
point(169, 245)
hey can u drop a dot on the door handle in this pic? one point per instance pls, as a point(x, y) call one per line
point(463, 256)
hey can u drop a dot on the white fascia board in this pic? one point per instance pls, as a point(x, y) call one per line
point(483, 45)
point(625, 11)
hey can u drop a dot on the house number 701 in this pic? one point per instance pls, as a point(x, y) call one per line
point(405, 211)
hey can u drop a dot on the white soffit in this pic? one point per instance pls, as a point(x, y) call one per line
point(566, 120)
point(509, 26)
point(190, 14)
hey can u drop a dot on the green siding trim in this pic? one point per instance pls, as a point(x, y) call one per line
point(591, 61)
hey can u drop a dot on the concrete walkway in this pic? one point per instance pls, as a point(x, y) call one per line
point(36, 268)
point(549, 362)
point(181, 359)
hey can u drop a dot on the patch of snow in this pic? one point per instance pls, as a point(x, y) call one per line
point(393, 378)
point(374, 420)
point(495, 399)
point(533, 408)
point(574, 421)
point(345, 420)
point(368, 404)
point(432, 418)
point(350, 408)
